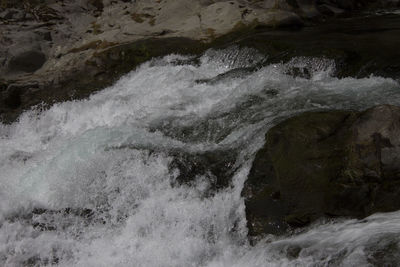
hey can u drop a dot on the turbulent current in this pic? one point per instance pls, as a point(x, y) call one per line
point(95, 182)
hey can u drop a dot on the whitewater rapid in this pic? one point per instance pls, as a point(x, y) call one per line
point(91, 182)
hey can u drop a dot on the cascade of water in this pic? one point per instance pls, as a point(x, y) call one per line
point(95, 182)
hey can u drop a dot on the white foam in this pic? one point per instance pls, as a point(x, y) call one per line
point(98, 154)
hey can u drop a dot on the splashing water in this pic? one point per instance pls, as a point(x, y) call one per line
point(92, 182)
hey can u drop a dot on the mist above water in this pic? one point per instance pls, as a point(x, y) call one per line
point(91, 182)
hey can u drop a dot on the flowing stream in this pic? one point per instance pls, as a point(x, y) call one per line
point(93, 182)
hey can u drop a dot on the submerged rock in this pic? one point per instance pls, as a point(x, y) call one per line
point(325, 164)
point(217, 166)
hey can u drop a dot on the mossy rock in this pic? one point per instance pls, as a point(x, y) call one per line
point(325, 164)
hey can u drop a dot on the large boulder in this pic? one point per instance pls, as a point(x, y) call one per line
point(325, 164)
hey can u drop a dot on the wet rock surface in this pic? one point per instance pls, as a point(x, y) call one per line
point(360, 46)
point(101, 70)
point(64, 47)
point(217, 166)
point(325, 165)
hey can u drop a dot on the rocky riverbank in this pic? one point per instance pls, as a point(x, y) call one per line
point(58, 50)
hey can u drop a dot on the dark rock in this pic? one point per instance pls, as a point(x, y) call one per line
point(9, 14)
point(345, 4)
point(292, 3)
point(330, 10)
point(293, 21)
point(29, 61)
point(47, 36)
point(216, 165)
point(325, 164)
point(98, 4)
point(360, 46)
point(12, 98)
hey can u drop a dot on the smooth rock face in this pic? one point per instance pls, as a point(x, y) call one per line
point(325, 164)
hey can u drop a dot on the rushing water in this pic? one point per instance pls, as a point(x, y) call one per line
point(91, 182)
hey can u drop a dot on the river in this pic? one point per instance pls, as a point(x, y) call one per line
point(93, 182)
